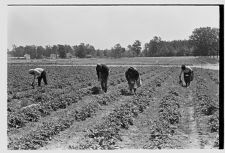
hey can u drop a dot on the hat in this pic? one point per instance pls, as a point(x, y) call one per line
point(31, 71)
point(182, 66)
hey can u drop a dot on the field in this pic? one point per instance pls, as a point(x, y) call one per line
point(72, 113)
point(190, 60)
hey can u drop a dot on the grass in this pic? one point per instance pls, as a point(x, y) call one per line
point(190, 60)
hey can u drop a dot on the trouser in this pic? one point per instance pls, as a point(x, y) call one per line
point(104, 85)
point(42, 76)
point(188, 77)
point(103, 78)
point(131, 84)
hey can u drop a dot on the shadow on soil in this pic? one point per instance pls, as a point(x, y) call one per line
point(125, 92)
point(96, 90)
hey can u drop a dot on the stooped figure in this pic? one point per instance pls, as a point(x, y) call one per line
point(188, 74)
point(102, 73)
point(40, 74)
point(132, 76)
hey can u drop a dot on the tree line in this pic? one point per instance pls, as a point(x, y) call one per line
point(203, 41)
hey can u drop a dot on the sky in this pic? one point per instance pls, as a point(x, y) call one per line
point(104, 26)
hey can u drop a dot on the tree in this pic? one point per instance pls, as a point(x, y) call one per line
point(54, 50)
point(130, 52)
point(17, 51)
point(117, 51)
point(215, 44)
point(152, 48)
point(99, 53)
point(61, 51)
point(68, 49)
point(106, 52)
point(75, 49)
point(40, 52)
point(146, 50)
point(165, 50)
point(90, 50)
point(31, 50)
point(47, 51)
point(136, 47)
point(81, 52)
point(205, 41)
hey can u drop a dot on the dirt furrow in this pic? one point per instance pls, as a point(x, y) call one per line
point(189, 122)
point(192, 130)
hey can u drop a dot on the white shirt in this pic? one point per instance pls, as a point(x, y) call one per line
point(186, 70)
point(36, 71)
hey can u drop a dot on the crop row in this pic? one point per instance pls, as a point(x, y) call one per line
point(60, 83)
point(60, 79)
point(105, 135)
point(78, 114)
point(34, 112)
point(169, 117)
point(207, 105)
point(45, 103)
point(214, 76)
point(19, 79)
point(47, 129)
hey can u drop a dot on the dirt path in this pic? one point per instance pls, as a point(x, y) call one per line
point(192, 130)
point(188, 121)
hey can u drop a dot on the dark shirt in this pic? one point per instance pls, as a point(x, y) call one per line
point(132, 74)
point(103, 69)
